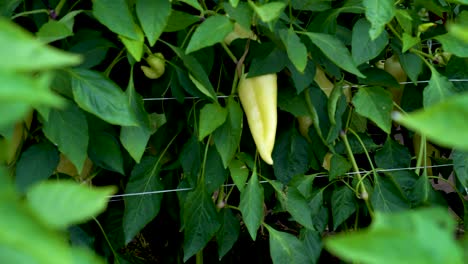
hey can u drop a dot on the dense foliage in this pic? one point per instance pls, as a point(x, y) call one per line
point(123, 138)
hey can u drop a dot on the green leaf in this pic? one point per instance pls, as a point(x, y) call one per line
point(215, 173)
point(393, 155)
point(135, 138)
point(20, 93)
point(116, 15)
point(212, 116)
point(211, 31)
point(298, 207)
point(63, 203)
point(191, 159)
point(241, 13)
point(376, 104)
point(153, 25)
point(286, 248)
point(336, 51)
point(311, 5)
point(405, 20)
point(363, 47)
point(438, 89)
point(7, 7)
point(227, 137)
point(342, 205)
point(251, 205)
point(200, 219)
point(239, 173)
point(412, 64)
point(339, 165)
point(228, 233)
point(141, 209)
point(304, 79)
point(460, 165)
point(104, 151)
point(312, 241)
point(179, 20)
point(387, 197)
point(100, 96)
point(379, 13)
point(199, 78)
point(443, 123)
point(296, 50)
point(274, 61)
point(134, 46)
point(269, 11)
point(407, 236)
point(53, 30)
point(68, 129)
point(36, 163)
point(453, 44)
point(29, 54)
point(409, 41)
point(19, 231)
point(291, 155)
point(93, 50)
point(193, 3)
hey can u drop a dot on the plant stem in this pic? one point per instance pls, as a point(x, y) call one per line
point(389, 25)
point(421, 155)
point(59, 6)
point(113, 63)
point(116, 259)
point(229, 52)
point(199, 257)
point(363, 192)
point(38, 11)
point(205, 155)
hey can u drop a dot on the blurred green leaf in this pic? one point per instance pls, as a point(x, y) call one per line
point(63, 203)
point(407, 235)
point(443, 123)
point(21, 51)
point(269, 11)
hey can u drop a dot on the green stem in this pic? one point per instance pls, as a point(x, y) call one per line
point(38, 11)
point(205, 155)
point(313, 115)
point(116, 259)
point(199, 257)
point(421, 155)
point(389, 25)
point(229, 52)
point(59, 6)
point(363, 192)
point(113, 63)
point(423, 54)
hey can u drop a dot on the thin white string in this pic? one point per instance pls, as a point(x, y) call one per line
point(226, 96)
point(231, 184)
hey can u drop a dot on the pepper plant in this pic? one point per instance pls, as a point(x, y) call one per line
point(141, 131)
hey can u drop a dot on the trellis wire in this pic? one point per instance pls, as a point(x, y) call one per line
point(226, 96)
point(112, 197)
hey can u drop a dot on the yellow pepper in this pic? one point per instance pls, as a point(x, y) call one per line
point(258, 96)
